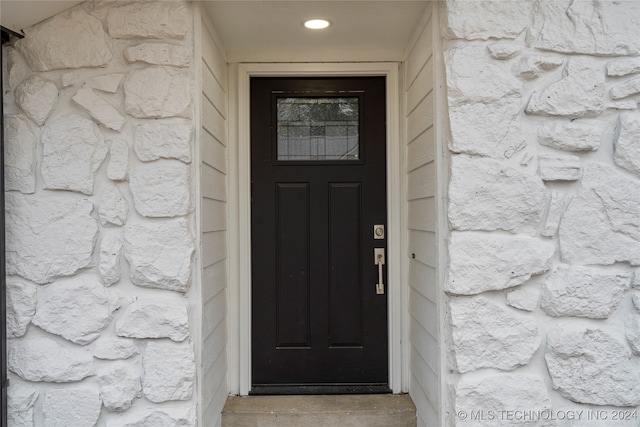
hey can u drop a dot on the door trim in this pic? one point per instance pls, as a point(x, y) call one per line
point(239, 238)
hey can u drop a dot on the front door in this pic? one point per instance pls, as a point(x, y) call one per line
point(318, 211)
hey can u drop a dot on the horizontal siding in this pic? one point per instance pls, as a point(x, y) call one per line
point(217, 184)
point(426, 377)
point(214, 313)
point(422, 214)
point(214, 215)
point(213, 122)
point(420, 119)
point(215, 275)
point(421, 182)
point(422, 246)
point(421, 150)
point(214, 247)
point(214, 152)
point(421, 87)
point(422, 279)
point(420, 54)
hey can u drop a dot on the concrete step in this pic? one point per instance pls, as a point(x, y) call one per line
point(372, 410)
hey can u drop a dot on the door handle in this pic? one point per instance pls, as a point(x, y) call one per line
point(378, 256)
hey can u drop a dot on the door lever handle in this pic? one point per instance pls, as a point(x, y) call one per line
point(378, 254)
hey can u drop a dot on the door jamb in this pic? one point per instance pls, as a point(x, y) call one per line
point(239, 239)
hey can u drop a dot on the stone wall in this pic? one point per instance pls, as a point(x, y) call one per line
point(100, 217)
point(543, 283)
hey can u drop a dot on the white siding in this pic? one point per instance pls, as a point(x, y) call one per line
point(421, 224)
point(213, 193)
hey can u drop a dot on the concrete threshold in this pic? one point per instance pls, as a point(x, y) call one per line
point(371, 410)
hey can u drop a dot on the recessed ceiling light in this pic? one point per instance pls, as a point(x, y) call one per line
point(316, 24)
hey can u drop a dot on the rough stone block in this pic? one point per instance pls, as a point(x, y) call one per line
point(623, 67)
point(487, 194)
point(42, 359)
point(159, 54)
point(479, 262)
point(113, 207)
point(48, 238)
point(20, 139)
point(589, 27)
point(15, 68)
point(635, 300)
point(579, 93)
point(486, 19)
point(484, 335)
point(571, 136)
point(110, 254)
point(632, 332)
point(20, 401)
point(69, 40)
point(159, 254)
point(99, 108)
point(627, 142)
point(583, 292)
point(73, 150)
point(106, 83)
point(118, 167)
point(77, 309)
point(21, 306)
point(556, 209)
point(590, 366)
point(169, 371)
point(532, 67)
point(157, 92)
point(624, 89)
point(160, 317)
point(502, 51)
point(181, 416)
point(161, 189)
point(157, 20)
point(602, 222)
point(524, 298)
point(78, 407)
point(37, 97)
point(559, 167)
point(163, 140)
point(115, 348)
point(120, 386)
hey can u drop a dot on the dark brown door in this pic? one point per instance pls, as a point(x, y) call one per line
point(318, 162)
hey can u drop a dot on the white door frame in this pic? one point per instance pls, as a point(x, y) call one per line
point(239, 239)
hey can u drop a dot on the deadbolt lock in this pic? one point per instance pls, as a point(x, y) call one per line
point(378, 231)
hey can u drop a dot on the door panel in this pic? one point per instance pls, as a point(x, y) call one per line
point(318, 187)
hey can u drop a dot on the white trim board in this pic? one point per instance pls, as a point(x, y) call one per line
point(239, 319)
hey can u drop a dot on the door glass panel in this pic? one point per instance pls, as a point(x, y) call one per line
point(319, 128)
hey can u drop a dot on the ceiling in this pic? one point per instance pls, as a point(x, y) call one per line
point(361, 28)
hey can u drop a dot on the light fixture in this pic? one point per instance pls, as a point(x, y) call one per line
point(316, 24)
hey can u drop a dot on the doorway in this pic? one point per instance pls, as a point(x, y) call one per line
point(318, 216)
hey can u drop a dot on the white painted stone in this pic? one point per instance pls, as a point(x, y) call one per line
point(485, 335)
point(571, 136)
point(623, 67)
point(159, 254)
point(20, 401)
point(106, 83)
point(76, 309)
point(504, 51)
point(37, 97)
point(590, 366)
point(16, 70)
point(532, 67)
point(73, 150)
point(491, 130)
point(626, 88)
point(479, 262)
point(113, 207)
point(486, 19)
point(602, 223)
point(632, 332)
point(69, 79)
point(628, 104)
point(118, 167)
point(590, 27)
point(635, 279)
point(579, 93)
point(501, 396)
point(583, 292)
point(627, 142)
point(487, 194)
point(157, 92)
point(99, 108)
point(556, 209)
point(120, 386)
point(43, 359)
point(69, 40)
point(169, 371)
point(160, 317)
point(172, 416)
point(20, 138)
point(559, 167)
point(635, 299)
point(115, 348)
point(161, 189)
point(473, 77)
point(110, 254)
point(155, 140)
point(48, 238)
point(524, 298)
point(77, 407)
point(21, 306)
point(159, 54)
point(157, 20)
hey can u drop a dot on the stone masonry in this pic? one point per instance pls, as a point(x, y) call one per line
point(100, 217)
point(544, 213)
